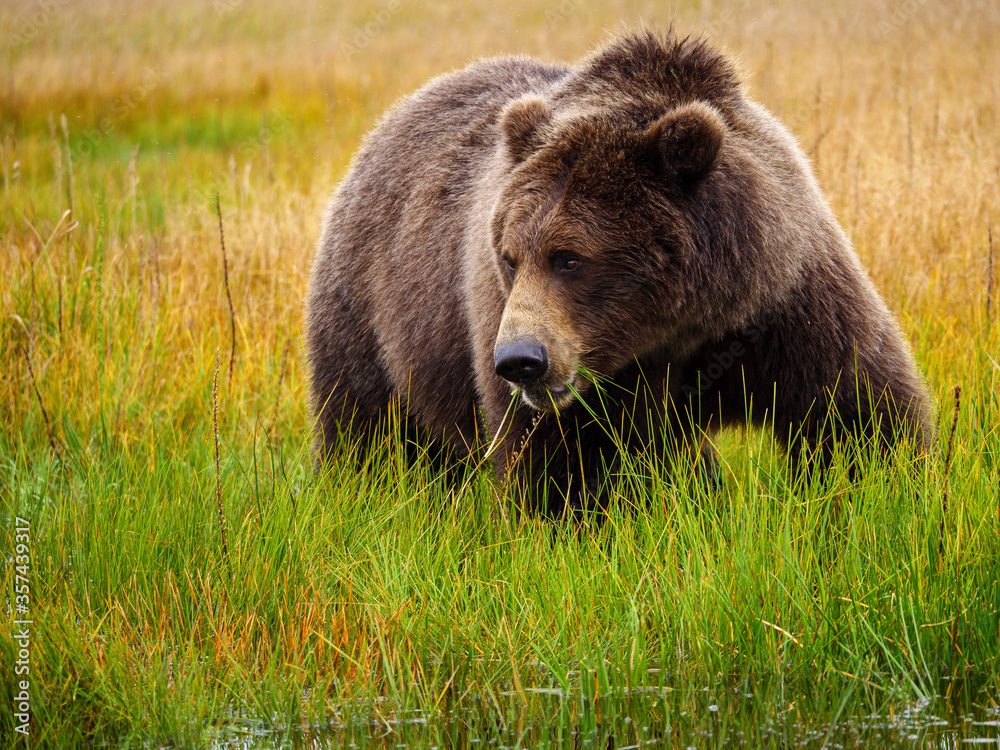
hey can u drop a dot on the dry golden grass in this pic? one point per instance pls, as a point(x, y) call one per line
point(898, 109)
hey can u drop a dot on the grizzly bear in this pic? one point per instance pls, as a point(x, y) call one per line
point(566, 262)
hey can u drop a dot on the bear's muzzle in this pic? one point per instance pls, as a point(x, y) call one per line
point(522, 362)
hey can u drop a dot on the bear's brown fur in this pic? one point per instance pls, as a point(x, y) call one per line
point(634, 220)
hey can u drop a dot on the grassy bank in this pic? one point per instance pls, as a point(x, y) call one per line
point(171, 606)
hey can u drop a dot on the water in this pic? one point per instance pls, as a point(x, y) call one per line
point(735, 716)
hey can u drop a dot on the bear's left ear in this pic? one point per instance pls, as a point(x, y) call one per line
point(521, 124)
point(686, 141)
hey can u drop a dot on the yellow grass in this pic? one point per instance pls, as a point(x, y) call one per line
point(898, 109)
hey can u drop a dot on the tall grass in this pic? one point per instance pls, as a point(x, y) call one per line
point(357, 595)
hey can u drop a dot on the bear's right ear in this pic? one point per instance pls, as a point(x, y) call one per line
point(686, 141)
point(521, 124)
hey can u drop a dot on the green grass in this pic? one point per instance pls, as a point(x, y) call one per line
point(355, 600)
point(347, 589)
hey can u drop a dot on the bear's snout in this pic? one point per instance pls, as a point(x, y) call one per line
point(522, 361)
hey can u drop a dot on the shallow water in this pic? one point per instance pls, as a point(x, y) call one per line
point(718, 717)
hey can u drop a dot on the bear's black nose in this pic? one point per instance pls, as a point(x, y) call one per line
point(521, 362)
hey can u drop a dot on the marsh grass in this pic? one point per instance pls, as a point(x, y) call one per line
point(376, 590)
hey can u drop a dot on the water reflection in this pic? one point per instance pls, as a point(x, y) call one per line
point(822, 714)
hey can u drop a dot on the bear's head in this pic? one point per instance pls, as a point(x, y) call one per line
point(593, 239)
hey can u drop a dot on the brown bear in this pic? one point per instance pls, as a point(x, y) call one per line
point(565, 262)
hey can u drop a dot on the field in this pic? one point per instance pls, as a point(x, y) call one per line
point(190, 581)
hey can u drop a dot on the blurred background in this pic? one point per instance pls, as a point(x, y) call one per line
point(136, 114)
point(133, 115)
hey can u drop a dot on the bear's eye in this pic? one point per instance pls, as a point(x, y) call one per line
point(567, 263)
point(509, 262)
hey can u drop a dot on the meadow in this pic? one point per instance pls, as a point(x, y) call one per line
point(189, 580)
